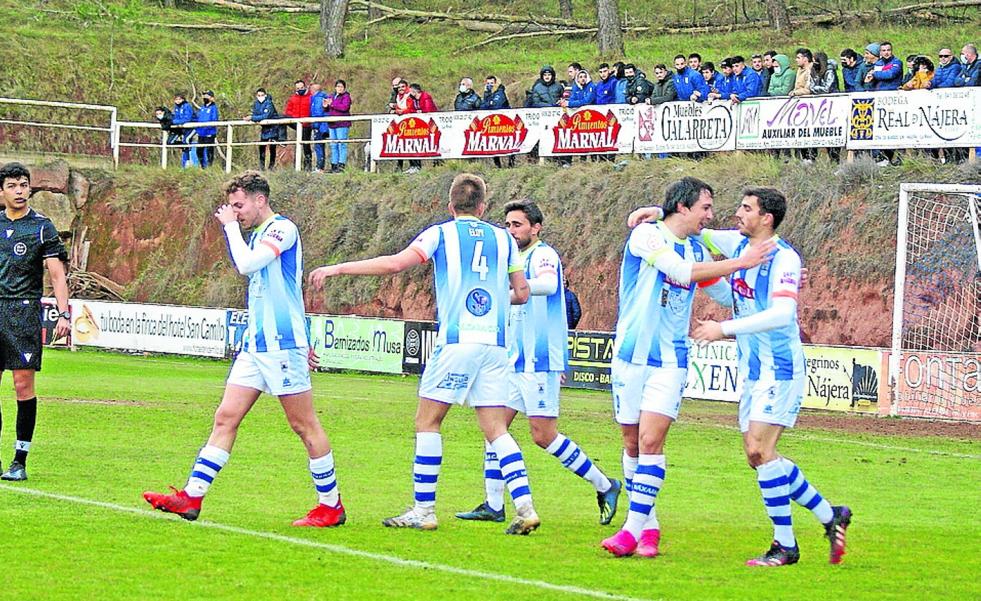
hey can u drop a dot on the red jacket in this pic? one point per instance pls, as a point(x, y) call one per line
point(298, 106)
point(425, 103)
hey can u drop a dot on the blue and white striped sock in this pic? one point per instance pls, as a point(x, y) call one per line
point(425, 470)
point(804, 494)
point(493, 479)
point(629, 469)
point(647, 482)
point(209, 462)
point(513, 469)
point(576, 461)
point(322, 471)
point(776, 498)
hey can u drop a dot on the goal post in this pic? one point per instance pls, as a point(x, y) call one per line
point(935, 360)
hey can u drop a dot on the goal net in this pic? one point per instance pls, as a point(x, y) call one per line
point(935, 364)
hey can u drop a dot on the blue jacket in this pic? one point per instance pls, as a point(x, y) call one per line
point(183, 113)
point(887, 74)
point(583, 96)
point(266, 110)
point(945, 75)
point(850, 77)
point(606, 91)
point(724, 85)
point(495, 99)
point(317, 110)
point(747, 84)
point(687, 82)
point(207, 112)
point(620, 95)
point(969, 75)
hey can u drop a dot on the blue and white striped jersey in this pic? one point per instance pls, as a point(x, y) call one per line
point(275, 296)
point(777, 351)
point(540, 334)
point(655, 311)
point(472, 260)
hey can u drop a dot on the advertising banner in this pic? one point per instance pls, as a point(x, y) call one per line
point(237, 325)
point(606, 129)
point(946, 117)
point(364, 344)
point(938, 385)
point(150, 328)
point(420, 338)
point(713, 371)
point(685, 127)
point(795, 122)
point(842, 379)
point(49, 319)
point(590, 356)
point(455, 135)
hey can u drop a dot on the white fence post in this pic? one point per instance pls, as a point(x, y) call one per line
point(163, 150)
point(299, 140)
point(228, 149)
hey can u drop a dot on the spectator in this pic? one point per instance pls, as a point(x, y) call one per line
point(620, 95)
point(948, 69)
point(206, 135)
point(423, 100)
point(262, 109)
point(339, 104)
point(606, 87)
point(546, 91)
point(910, 69)
point(695, 62)
point(298, 107)
point(466, 98)
point(573, 310)
point(971, 71)
point(183, 113)
point(850, 70)
point(723, 81)
point(404, 103)
point(495, 96)
point(638, 88)
point(824, 75)
point(662, 88)
point(783, 78)
point(805, 66)
point(746, 83)
point(572, 73)
point(709, 74)
point(756, 62)
point(165, 117)
point(887, 73)
point(870, 55)
point(768, 66)
point(396, 88)
point(923, 75)
point(318, 108)
point(688, 83)
point(583, 91)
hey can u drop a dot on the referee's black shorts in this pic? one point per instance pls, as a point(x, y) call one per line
point(20, 334)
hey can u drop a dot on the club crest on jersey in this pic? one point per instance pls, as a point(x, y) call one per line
point(20, 249)
point(479, 302)
point(741, 287)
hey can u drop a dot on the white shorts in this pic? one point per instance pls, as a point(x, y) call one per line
point(535, 394)
point(639, 388)
point(275, 372)
point(471, 374)
point(770, 401)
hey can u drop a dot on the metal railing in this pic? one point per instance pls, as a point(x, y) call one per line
point(111, 128)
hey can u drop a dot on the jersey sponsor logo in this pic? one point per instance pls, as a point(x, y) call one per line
point(789, 277)
point(20, 249)
point(453, 381)
point(479, 302)
point(275, 235)
point(742, 288)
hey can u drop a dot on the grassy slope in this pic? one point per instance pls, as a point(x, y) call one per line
point(140, 422)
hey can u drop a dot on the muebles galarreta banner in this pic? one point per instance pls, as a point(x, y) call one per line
point(793, 122)
point(685, 127)
point(607, 129)
point(942, 118)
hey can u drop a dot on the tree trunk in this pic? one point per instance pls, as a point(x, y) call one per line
point(609, 36)
point(332, 15)
point(776, 10)
point(170, 3)
point(565, 9)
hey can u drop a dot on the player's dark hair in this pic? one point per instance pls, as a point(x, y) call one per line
point(771, 201)
point(684, 192)
point(695, 55)
point(805, 52)
point(14, 171)
point(250, 182)
point(529, 208)
point(467, 192)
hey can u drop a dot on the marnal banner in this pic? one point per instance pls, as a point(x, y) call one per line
point(946, 117)
point(606, 129)
point(938, 385)
point(685, 127)
point(842, 379)
point(358, 343)
point(150, 328)
point(793, 122)
point(455, 135)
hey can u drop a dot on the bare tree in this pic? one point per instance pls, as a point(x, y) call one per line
point(609, 35)
point(332, 15)
point(565, 9)
point(776, 10)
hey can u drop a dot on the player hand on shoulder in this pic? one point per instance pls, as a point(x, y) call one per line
point(757, 254)
point(644, 214)
point(707, 331)
point(225, 214)
point(319, 275)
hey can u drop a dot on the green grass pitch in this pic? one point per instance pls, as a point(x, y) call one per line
point(111, 426)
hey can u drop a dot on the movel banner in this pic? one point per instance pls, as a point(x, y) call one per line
point(793, 122)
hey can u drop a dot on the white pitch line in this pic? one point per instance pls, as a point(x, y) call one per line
point(339, 549)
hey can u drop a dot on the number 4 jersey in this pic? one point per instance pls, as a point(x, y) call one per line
point(472, 261)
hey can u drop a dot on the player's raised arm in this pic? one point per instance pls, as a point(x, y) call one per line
point(383, 265)
point(644, 214)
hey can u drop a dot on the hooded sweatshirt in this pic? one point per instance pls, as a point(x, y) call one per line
point(545, 94)
point(783, 78)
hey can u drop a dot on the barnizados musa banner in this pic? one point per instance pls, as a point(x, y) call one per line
point(344, 342)
point(606, 129)
point(793, 122)
point(946, 117)
point(685, 127)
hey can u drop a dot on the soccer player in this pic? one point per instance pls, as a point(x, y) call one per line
point(660, 264)
point(276, 356)
point(474, 264)
point(539, 355)
point(29, 242)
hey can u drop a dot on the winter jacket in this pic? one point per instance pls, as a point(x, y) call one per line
point(166, 120)
point(317, 109)
point(724, 85)
point(582, 96)
point(266, 110)
point(298, 106)
point(606, 90)
point(662, 91)
point(920, 81)
point(183, 113)
point(969, 75)
point(620, 94)
point(543, 94)
point(713, 82)
point(469, 101)
point(495, 99)
point(802, 82)
point(340, 106)
point(849, 76)
point(945, 75)
point(764, 79)
point(404, 103)
point(207, 112)
point(425, 103)
point(689, 81)
point(746, 85)
point(573, 310)
point(887, 74)
point(782, 82)
point(638, 88)
point(828, 84)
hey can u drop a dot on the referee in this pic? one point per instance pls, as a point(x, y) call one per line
point(28, 243)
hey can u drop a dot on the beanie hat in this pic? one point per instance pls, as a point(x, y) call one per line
point(873, 48)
